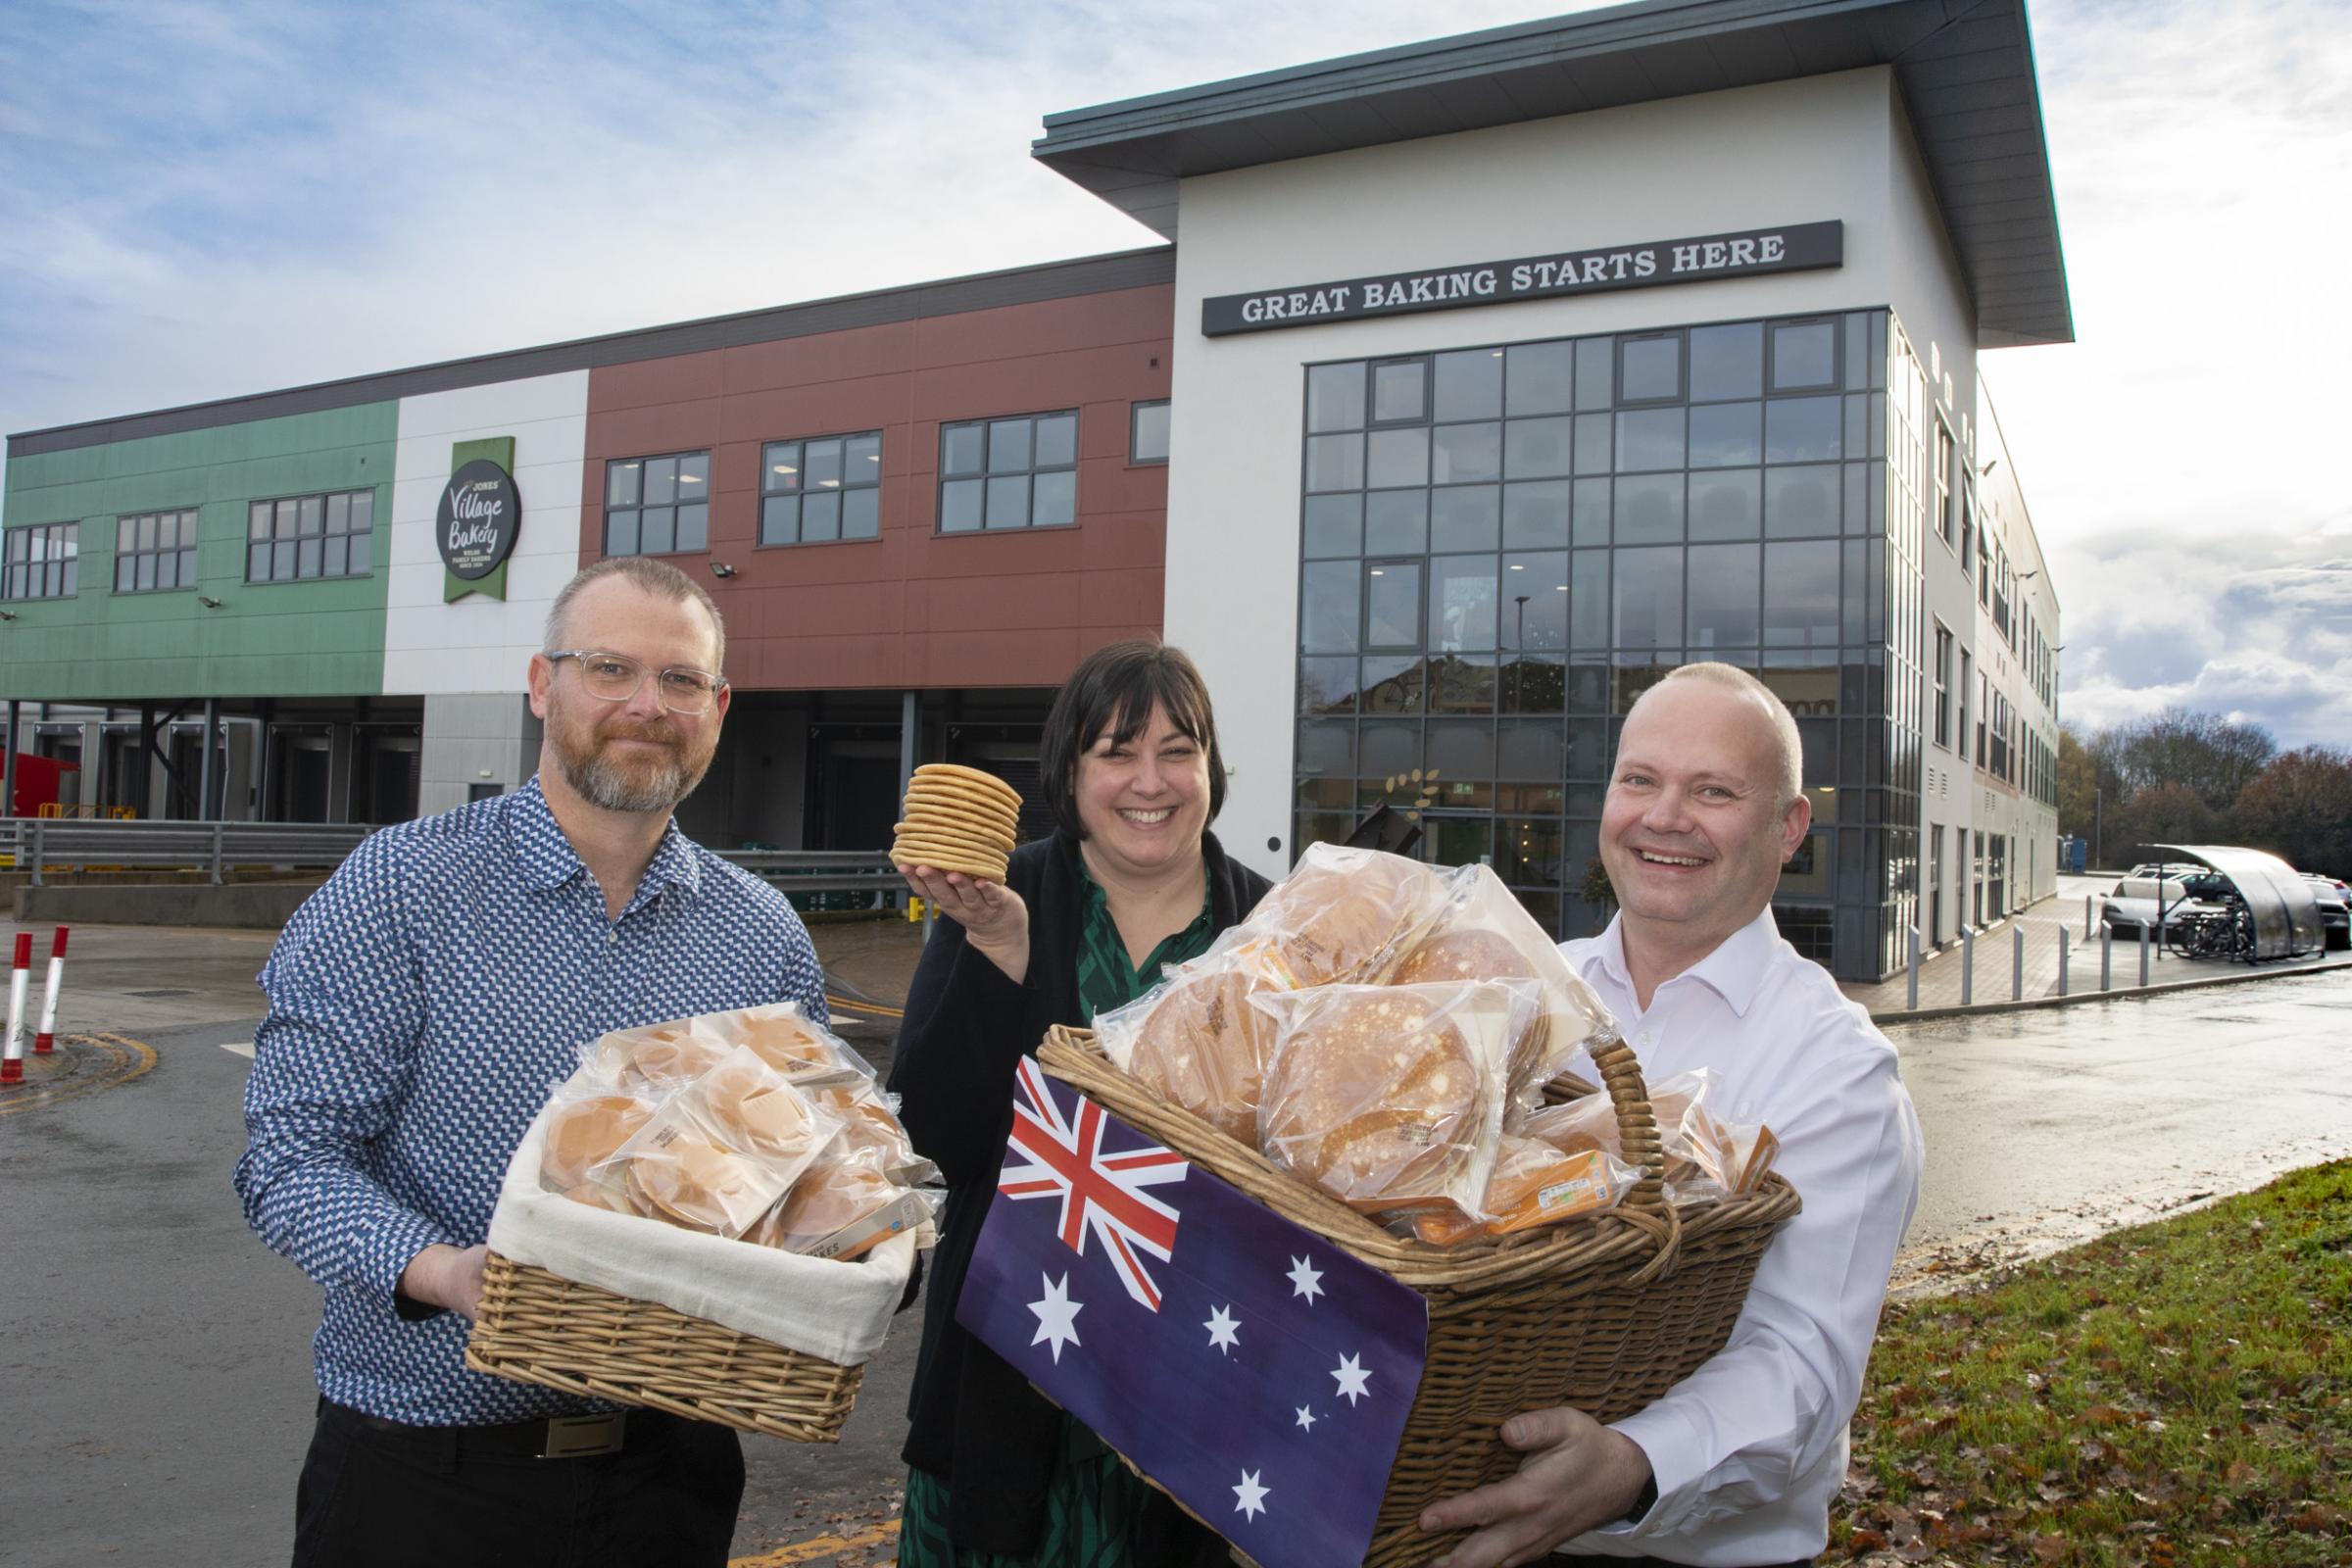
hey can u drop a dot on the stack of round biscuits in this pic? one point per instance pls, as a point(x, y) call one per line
point(957, 819)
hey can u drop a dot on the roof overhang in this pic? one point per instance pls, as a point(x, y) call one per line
point(1964, 68)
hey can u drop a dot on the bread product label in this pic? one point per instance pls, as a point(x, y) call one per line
point(902, 1213)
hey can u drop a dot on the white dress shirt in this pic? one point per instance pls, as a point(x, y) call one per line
point(1749, 1450)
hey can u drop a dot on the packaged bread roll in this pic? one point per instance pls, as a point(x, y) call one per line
point(1342, 916)
point(1705, 1156)
point(1533, 1184)
point(840, 1211)
point(1484, 933)
point(872, 1133)
point(584, 1129)
point(1197, 1044)
point(1390, 1097)
point(701, 1186)
point(743, 1109)
point(654, 1056)
point(787, 1040)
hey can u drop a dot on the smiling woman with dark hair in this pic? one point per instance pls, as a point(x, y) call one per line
point(1131, 880)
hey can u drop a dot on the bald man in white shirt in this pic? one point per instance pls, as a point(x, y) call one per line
point(1735, 1466)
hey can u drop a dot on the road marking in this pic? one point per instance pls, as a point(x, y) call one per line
point(238, 1047)
point(875, 1007)
point(127, 1059)
point(820, 1546)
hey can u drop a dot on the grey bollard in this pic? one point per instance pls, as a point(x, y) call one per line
point(2086, 918)
point(2143, 953)
point(2017, 962)
point(2106, 957)
point(1968, 964)
point(1911, 990)
point(2062, 947)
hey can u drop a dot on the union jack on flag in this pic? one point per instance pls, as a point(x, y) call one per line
point(1100, 1193)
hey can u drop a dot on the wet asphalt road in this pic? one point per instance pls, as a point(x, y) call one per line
point(154, 1358)
point(2051, 1125)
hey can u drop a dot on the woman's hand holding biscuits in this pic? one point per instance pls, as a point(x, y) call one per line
point(994, 920)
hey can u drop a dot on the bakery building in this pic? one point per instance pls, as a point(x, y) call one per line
point(1479, 381)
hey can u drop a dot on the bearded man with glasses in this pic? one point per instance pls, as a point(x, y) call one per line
point(420, 1005)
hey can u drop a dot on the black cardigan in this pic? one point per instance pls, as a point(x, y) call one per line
point(973, 1421)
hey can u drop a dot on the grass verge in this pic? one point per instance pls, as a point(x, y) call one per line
point(2175, 1395)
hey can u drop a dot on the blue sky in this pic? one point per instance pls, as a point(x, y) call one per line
point(200, 200)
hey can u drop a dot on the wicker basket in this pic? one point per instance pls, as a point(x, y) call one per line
point(536, 1327)
point(1603, 1317)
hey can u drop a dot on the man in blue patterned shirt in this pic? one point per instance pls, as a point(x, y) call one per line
point(422, 1006)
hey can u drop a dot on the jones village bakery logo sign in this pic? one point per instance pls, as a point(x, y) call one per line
point(480, 513)
point(1791, 248)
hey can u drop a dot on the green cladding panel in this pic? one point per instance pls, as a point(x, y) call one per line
point(321, 637)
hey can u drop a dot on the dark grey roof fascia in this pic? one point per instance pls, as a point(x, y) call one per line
point(1964, 70)
point(1022, 285)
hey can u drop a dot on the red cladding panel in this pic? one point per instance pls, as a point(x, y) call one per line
point(913, 608)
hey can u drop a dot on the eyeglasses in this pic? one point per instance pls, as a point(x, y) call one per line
point(616, 677)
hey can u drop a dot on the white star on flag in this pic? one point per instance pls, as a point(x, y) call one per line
point(1306, 1419)
point(1306, 1281)
point(1057, 1317)
point(1224, 1330)
point(1352, 1379)
point(1253, 1495)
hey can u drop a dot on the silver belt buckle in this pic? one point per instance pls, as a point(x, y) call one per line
point(583, 1437)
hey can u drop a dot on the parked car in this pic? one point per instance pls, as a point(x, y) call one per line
point(2335, 908)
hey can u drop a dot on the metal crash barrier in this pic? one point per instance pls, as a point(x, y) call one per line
point(42, 846)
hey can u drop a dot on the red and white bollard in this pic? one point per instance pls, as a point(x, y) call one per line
point(44, 1040)
point(12, 1053)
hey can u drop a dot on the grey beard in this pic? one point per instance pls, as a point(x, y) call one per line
point(611, 788)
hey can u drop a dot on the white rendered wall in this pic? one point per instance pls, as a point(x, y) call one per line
point(1826, 147)
point(479, 644)
point(469, 659)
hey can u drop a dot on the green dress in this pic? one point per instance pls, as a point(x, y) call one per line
point(1094, 1503)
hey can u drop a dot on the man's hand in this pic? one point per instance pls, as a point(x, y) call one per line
point(443, 1276)
point(993, 918)
point(1578, 1475)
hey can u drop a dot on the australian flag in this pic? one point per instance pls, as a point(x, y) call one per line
point(1253, 1370)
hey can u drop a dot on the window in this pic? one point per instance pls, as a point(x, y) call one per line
point(155, 550)
point(1965, 678)
point(1148, 432)
point(658, 505)
point(1018, 473)
point(818, 491)
point(1947, 490)
point(311, 536)
point(41, 563)
point(1944, 687)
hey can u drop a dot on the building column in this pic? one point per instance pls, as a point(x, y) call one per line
point(910, 729)
point(208, 771)
point(8, 765)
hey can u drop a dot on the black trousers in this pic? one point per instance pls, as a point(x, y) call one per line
point(379, 1496)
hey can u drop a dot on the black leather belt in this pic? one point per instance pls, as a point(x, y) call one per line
point(561, 1436)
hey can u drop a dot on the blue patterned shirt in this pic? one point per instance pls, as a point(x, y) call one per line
point(422, 1006)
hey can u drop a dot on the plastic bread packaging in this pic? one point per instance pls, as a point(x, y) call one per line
point(720, 1153)
point(1484, 933)
point(789, 1041)
point(1533, 1185)
point(1196, 1043)
point(870, 1134)
point(651, 1056)
point(842, 1210)
point(1390, 1097)
point(1706, 1157)
point(1343, 917)
point(587, 1123)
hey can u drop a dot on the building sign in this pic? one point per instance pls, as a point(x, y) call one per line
point(481, 511)
point(1791, 248)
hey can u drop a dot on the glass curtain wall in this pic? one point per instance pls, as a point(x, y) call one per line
point(1502, 547)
